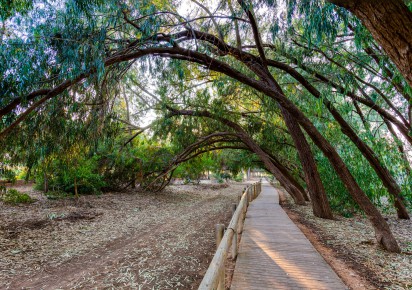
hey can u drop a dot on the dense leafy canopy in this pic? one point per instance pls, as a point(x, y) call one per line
point(109, 94)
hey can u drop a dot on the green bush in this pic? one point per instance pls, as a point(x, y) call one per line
point(218, 177)
point(21, 174)
point(8, 175)
point(238, 177)
point(118, 170)
point(62, 175)
point(222, 176)
point(14, 196)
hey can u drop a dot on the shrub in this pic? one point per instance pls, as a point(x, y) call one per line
point(62, 176)
point(14, 196)
point(8, 175)
point(238, 177)
point(21, 174)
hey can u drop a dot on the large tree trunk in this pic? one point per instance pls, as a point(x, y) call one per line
point(382, 172)
point(390, 23)
point(383, 233)
point(382, 230)
point(320, 203)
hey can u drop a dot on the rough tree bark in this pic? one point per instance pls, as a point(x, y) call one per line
point(390, 23)
point(320, 203)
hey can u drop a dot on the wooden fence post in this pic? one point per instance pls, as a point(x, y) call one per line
point(219, 231)
point(215, 275)
point(234, 239)
point(221, 285)
point(234, 245)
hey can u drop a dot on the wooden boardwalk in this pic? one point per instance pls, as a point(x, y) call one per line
point(275, 254)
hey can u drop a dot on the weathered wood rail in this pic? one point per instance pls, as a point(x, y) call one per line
point(215, 275)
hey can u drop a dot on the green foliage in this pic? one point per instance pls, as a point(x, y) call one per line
point(63, 176)
point(218, 177)
point(8, 175)
point(119, 169)
point(193, 169)
point(13, 196)
point(9, 7)
point(78, 138)
point(238, 177)
point(21, 174)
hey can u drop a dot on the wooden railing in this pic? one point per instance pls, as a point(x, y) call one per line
point(215, 275)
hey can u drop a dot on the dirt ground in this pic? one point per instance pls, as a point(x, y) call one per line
point(349, 246)
point(116, 240)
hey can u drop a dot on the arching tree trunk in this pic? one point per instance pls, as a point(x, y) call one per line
point(382, 172)
point(288, 175)
point(267, 85)
point(294, 191)
point(383, 233)
point(320, 203)
point(390, 23)
point(296, 194)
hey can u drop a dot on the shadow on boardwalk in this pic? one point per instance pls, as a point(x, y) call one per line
point(274, 253)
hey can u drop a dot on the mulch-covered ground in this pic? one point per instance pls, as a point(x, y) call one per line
point(116, 240)
point(352, 241)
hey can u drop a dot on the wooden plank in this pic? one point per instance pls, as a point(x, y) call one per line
point(274, 253)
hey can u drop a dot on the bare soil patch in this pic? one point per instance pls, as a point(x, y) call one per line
point(116, 240)
point(349, 246)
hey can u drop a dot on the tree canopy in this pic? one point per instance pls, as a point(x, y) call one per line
point(308, 90)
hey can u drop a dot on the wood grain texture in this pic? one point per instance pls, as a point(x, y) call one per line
point(275, 254)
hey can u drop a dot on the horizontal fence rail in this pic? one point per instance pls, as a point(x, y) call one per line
point(215, 275)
